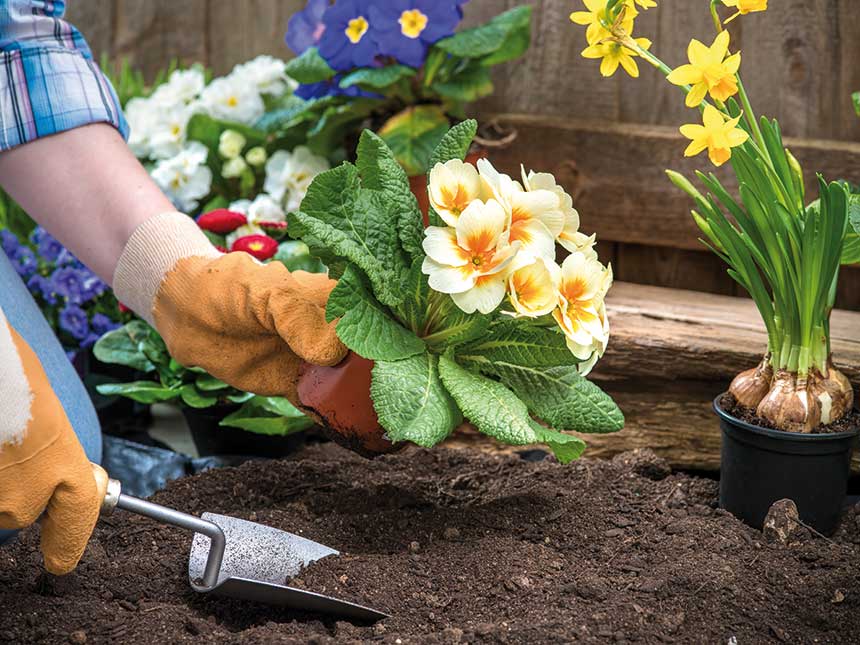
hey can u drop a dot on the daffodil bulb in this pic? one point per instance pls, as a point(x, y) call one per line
point(453, 185)
point(471, 260)
point(230, 144)
point(533, 289)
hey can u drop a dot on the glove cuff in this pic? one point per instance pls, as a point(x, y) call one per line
point(151, 253)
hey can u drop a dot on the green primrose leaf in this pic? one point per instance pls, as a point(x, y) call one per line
point(194, 398)
point(268, 416)
point(411, 402)
point(455, 144)
point(500, 39)
point(122, 347)
point(562, 397)
point(518, 343)
point(208, 383)
point(470, 84)
point(377, 77)
point(413, 135)
point(141, 391)
point(310, 67)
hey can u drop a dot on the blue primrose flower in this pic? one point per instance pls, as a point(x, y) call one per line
point(9, 242)
point(73, 320)
point(41, 286)
point(48, 247)
point(90, 340)
point(405, 29)
point(68, 282)
point(306, 27)
point(347, 40)
point(25, 262)
point(102, 324)
point(332, 87)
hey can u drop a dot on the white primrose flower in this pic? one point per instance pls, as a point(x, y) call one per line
point(230, 144)
point(141, 120)
point(471, 261)
point(582, 288)
point(183, 86)
point(262, 209)
point(534, 217)
point(452, 186)
point(533, 288)
point(185, 178)
point(231, 99)
point(168, 132)
point(289, 174)
point(266, 73)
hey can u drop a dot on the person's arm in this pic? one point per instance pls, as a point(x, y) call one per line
point(86, 188)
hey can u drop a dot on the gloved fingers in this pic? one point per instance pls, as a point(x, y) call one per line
point(304, 328)
point(72, 512)
point(24, 499)
point(313, 287)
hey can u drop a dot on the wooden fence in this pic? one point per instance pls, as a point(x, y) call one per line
point(607, 140)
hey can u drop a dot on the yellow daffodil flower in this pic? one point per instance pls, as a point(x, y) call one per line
point(745, 7)
point(717, 135)
point(710, 71)
point(453, 185)
point(471, 260)
point(615, 54)
point(645, 4)
point(596, 16)
point(533, 289)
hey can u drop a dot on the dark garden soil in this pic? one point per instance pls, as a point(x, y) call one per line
point(729, 404)
point(458, 547)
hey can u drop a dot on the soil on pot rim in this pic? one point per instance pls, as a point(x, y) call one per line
point(848, 423)
point(458, 547)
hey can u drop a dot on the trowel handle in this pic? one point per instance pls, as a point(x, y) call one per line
point(114, 498)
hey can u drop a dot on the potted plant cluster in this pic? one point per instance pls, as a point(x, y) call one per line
point(398, 68)
point(788, 424)
point(470, 319)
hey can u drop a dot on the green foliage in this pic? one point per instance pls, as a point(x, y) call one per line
point(269, 416)
point(309, 68)
point(411, 402)
point(855, 99)
point(377, 78)
point(123, 347)
point(503, 38)
point(413, 135)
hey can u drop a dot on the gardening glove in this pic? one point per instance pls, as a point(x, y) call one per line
point(249, 324)
point(43, 468)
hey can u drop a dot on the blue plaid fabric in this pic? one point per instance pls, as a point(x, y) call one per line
point(48, 79)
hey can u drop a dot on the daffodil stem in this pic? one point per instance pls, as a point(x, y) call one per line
point(749, 115)
point(644, 53)
point(718, 25)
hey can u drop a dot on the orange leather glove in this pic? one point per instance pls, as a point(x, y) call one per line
point(244, 322)
point(43, 468)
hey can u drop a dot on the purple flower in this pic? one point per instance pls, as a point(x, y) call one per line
point(90, 340)
point(405, 29)
point(93, 286)
point(73, 320)
point(102, 324)
point(347, 41)
point(9, 242)
point(306, 27)
point(68, 282)
point(41, 286)
point(46, 244)
point(332, 87)
point(24, 261)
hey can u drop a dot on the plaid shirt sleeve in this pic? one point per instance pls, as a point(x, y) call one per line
point(48, 79)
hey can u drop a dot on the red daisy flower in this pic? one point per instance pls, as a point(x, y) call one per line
point(221, 221)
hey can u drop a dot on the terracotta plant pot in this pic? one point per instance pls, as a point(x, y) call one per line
point(339, 397)
point(418, 184)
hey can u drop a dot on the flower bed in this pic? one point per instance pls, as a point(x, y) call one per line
point(458, 548)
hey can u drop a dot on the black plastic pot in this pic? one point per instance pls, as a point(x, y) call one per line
point(760, 466)
point(212, 439)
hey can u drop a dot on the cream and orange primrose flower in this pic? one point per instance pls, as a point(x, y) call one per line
point(717, 135)
point(569, 236)
point(534, 217)
point(533, 289)
point(615, 54)
point(710, 71)
point(745, 6)
point(590, 354)
point(452, 187)
point(471, 260)
point(595, 18)
point(582, 287)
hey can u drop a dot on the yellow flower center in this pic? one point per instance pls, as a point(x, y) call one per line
point(457, 200)
point(356, 29)
point(175, 130)
point(232, 101)
point(256, 246)
point(412, 23)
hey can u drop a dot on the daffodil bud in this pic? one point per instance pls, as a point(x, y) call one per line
point(233, 168)
point(797, 173)
point(230, 144)
point(256, 156)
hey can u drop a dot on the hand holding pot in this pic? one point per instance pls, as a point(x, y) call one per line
point(43, 469)
point(248, 324)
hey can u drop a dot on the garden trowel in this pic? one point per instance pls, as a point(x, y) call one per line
point(241, 559)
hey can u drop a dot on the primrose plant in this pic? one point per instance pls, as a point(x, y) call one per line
point(785, 253)
point(473, 317)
